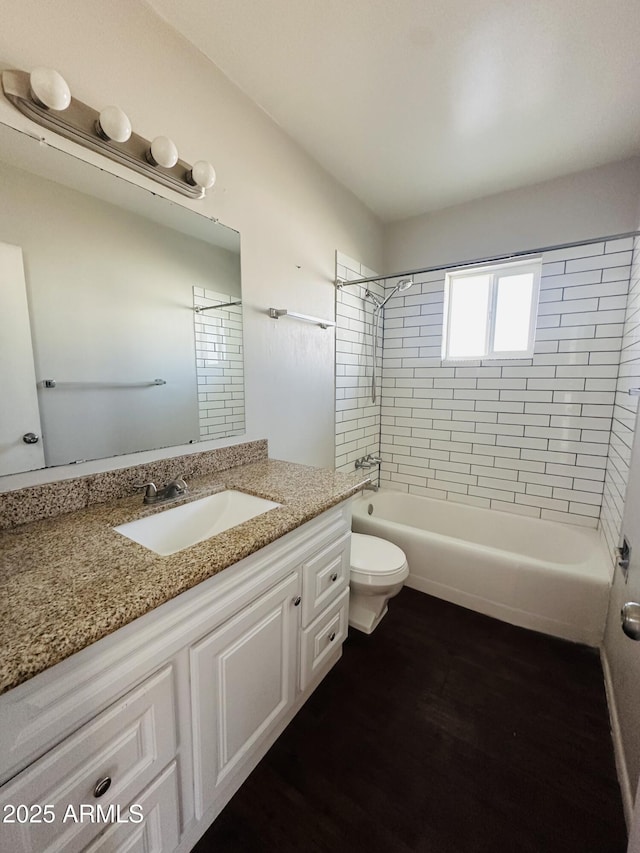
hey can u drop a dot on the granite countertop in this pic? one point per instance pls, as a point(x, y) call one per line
point(71, 580)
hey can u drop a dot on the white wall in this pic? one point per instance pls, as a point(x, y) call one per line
point(621, 515)
point(595, 203)
point(624, 413)
point(527, 436)
point(621, 654)
point(291, 214)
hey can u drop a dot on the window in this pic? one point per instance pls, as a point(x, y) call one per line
point(490, 312)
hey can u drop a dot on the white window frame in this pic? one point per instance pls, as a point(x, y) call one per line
point(495, 271)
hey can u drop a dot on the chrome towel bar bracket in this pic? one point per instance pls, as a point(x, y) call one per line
point(276, 313)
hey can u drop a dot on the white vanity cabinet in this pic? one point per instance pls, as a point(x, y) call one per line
point(178, 707)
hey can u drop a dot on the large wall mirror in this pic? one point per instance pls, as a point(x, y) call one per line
point(120, 315)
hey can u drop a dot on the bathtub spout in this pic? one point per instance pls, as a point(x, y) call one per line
point(371, 486)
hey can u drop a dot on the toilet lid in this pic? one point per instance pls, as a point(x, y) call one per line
point(372, 555)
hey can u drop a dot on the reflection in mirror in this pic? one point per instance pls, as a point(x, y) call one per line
point(112, 274)
point(219, 363)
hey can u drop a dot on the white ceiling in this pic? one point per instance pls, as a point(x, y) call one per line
point(419, 105)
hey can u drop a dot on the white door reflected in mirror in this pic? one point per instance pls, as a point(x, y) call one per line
point(20, 446)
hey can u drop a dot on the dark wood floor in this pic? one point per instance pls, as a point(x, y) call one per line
point(443, 732)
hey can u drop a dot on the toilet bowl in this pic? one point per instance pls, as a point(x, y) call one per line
point(378, 571)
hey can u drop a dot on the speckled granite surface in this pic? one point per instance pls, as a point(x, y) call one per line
point(52, 499)
point(68, 581)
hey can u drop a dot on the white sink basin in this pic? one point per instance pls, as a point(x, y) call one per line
point(174, 529)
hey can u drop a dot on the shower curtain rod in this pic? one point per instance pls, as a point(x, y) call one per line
point(340, 283)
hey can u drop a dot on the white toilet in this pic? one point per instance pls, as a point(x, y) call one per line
point(378, 571)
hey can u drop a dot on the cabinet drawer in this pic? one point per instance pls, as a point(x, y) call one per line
point(323, 638)
point(128, 743)
point(158, 830)
point(324, 577)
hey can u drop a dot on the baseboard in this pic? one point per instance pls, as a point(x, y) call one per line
point(618, 749)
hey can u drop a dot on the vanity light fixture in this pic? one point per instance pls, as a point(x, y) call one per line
point(163, 152)
point(49, 89)
point(44, 97)
point(202, 174)
point(113, 125)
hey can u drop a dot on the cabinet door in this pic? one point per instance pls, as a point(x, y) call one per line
point(243, 681)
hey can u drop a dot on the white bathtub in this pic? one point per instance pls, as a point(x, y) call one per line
point(537, 574)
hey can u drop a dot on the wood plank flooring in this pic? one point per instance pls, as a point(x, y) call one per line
point(442, 732)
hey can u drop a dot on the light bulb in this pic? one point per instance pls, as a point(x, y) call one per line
point(202, 174)
point(49, 89)
point(163, 152)
point(113, 124)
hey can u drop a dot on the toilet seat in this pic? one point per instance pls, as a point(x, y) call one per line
point(377, 557)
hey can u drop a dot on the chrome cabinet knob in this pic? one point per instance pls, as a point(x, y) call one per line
point(102, 786)
point(30, 438)
point(332, 636)
point(630, 617)
point(297, 600)
point(334, 577)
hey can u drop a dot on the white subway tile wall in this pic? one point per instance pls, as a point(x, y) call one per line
point(624, 411)
point(219, 365)
point(528, 436)
point(357, 417)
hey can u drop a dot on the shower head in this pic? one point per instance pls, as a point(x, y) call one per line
point(403, 284)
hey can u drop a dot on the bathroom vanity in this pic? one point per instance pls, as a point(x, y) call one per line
point(137, 741)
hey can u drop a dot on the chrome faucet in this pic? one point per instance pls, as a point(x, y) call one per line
point(369, 461)
point(174, 489)
point(366, 462)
